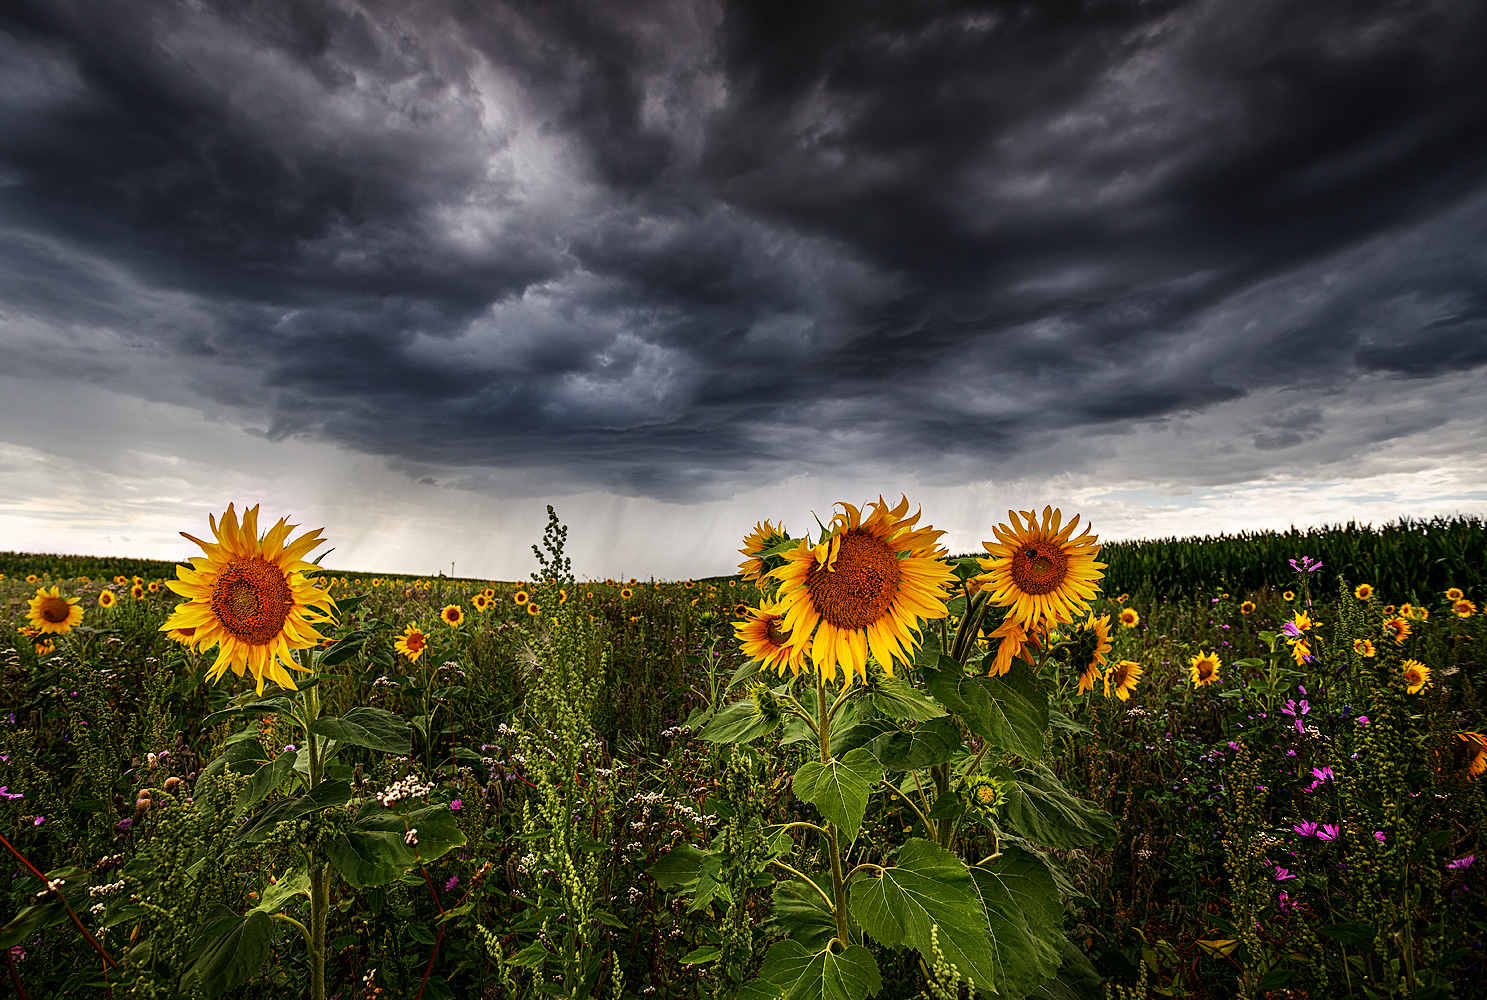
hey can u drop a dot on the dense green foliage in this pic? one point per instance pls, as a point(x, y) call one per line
point(1180, 863)
point(1407, 558)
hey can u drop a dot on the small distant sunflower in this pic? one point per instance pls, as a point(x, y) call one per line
point(489, 593)
point(1389, 609)
point(479, 602)
point(689, 584)
point(1454, 594)
point(762, 636)
point(562, 597)
point(136, 579)
point(590, 593)
point(732, 584)
point(1130, 618)
point(740, 610)
point(1123, 598)
point(627, 593)
point(765, 536)
point(1093, 642)
point(453, 615)
point(122, 581)
point(248, 597)
point(1363, 591)
point(1416, 676)
point(534, 609)
point(51, 613)
point(521, 597)
point(863, 587)
point(1476, 749)
point(411, 643)
point(154, 587)
point(1247, 607)
point(137, 592)
point(608, 583)
point(1364, 648)
point(32, 578)
point(1042, 571)
point(1398, 629)
point(1204, 669)
point(1464, 608)
point(1122, 678)
point(1289, 595)
point(106, 599)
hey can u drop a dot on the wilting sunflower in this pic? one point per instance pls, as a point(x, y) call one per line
point(763, 637)
point(1418, 614)
point(1247, 607)
point(1464, 608)
point(1089, 679)
point(1130, 618)
point(1476, 749)
point(452, 615)
point(411, 643)
point(765, 536)
point(248, 597)
point(479, 602)
point(1204, 669)
point(1398, 629)
point(1040, 571)
point(864, 586)
point(1454, 594)
point(1364, 648)
point(521, 597)
point(44, 648)
point(1289, 595)
point(1363, 591)
point(1300, 651)
point(1122, 678)
point(1014, 639)
point(1416, 676)
point(52, 613)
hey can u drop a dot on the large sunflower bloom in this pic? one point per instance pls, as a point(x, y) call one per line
point(864, 586)
point(763, 637)
point(764, 537)
point(1416, 676)
point(1122, 678)
point(1042, 571)
point(53, 613)
point(1398, 630)
point(1204, 669)
point(248, 597)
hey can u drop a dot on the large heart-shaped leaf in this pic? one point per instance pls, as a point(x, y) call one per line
point(375, 851)
point(928, 890)
point(802, 913)
point(1026, 917)
point(373, 728)
point(230, 951)
point(1010, 712)
point(267, 778)
point(1077, 978)
point(823, 975)
point(894, 697)
point(933, 742)
point(335, 792)
point(839, 788)
point(1041, 809)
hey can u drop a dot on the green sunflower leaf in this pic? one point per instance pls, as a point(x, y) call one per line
point(1041, 809)
point(1026, 917)
point(1010, 712)
point(839, 788)
point(822, 975)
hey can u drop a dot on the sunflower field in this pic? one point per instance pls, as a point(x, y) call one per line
point(859, 767)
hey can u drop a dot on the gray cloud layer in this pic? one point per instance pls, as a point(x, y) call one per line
point(665, 247)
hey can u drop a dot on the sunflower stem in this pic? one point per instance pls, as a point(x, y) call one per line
point(838, 884)
point(319, 877)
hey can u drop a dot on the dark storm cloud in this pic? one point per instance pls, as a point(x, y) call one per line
point(655, 246)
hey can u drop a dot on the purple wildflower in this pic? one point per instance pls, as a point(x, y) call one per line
point(1461, 863)
point(38, 821)
point(456, 805)
point(454, 880)
point(1379, 836)
point(1305, 829)
point(1328, 831)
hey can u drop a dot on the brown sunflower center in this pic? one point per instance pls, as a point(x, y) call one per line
point(1039, 567)
point(416, 641)
point(1118, 674)
point(54, 610)
point(1205, 670)
point(861, 587)
point(251, 599)
point(777, 636)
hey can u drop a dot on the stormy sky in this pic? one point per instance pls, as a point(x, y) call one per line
point(412, 270)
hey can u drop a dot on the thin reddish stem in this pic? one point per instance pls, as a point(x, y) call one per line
point(430, 967)
point(109, 962)
point(15, 976)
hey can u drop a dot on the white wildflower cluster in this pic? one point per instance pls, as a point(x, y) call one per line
point(384, 682)
point(404, 788)
point(411, 837)
point(103, 890)
point(678, 730)
point(96, 909)
point(525, 863)
point(51, 886)
point(635, 895)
